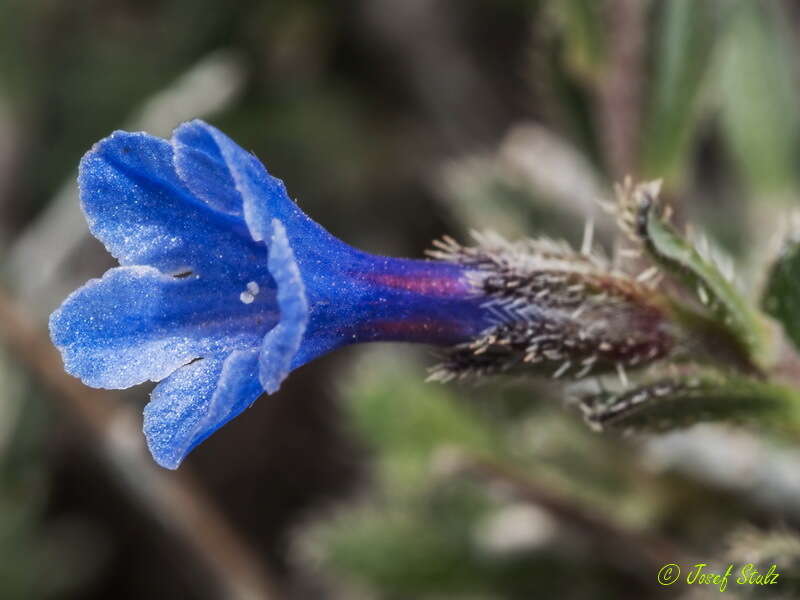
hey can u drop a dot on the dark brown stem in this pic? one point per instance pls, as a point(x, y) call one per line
point(620, 90)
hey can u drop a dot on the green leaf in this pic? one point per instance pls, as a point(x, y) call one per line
point(759, 101)
point(702, 275)
point(682, 55)
point(782, 294)
point(682, 401)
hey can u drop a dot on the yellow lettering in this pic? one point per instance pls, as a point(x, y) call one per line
point(724, 584)
point(693, 575)
point(745, 573)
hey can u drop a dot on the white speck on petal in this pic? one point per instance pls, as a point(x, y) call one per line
point(250, 293)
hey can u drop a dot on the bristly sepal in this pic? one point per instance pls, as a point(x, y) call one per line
point(562, 312)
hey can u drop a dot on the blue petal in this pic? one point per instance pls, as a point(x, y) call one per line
point(137, 324)
point(283, 341)
point(202, 169)
point(195, 401)
point(242, 314)
point(219, 171)
point(263, 196)
point(136, 204)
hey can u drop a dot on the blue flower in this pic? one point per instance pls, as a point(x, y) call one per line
point(225, 285)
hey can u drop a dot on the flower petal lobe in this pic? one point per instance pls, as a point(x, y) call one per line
point(136, 204)
point(195, 401)
point(202, 168)
point(137, 324)
point(282, 343)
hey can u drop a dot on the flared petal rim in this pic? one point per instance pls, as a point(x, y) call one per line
point(195, 401)
point(283, 341)
point(221, 272)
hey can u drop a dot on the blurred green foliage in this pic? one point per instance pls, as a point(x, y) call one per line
point(682, 53)
point(719, 125)
point(375, 113)
point(430, 530)
point(782, 293)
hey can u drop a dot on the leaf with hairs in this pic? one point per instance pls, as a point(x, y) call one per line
point(676, 402)
point(700, 272)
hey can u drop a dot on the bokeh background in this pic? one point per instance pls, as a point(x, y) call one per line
point(393, 122)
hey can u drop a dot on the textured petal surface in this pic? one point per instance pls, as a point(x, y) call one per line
point(139, 208)
point(226, 285)
point(202, 169)
point(264, 198)
point(137, 324)
point(195, 401)
point(283, 341)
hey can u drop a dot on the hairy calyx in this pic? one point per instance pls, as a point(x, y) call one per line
point(566, 312)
